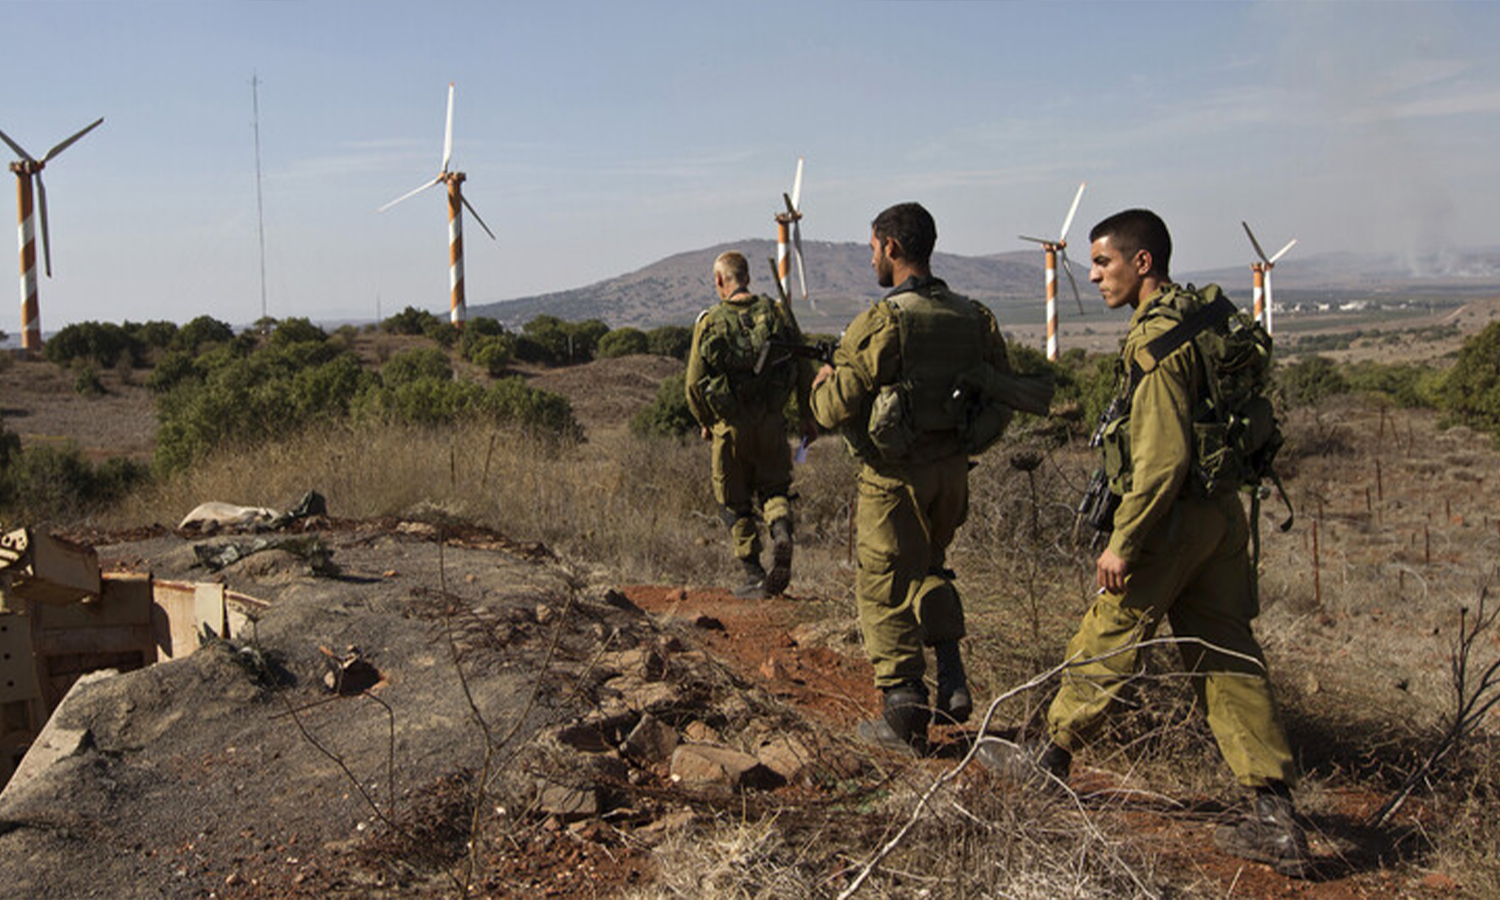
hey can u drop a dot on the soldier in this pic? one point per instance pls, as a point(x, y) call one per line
point(737, 389)
point(893, 390)
point(1175, 553)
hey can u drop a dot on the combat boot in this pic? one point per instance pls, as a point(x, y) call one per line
point(902, 725)
point(1269, 833)
point(781, 556)
point(953, 700)
point(1028, 764)
point(754, 585)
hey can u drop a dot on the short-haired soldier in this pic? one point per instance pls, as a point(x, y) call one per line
point(738, 393)
point(1177, 552)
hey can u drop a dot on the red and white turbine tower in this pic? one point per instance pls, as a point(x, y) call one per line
point(29, 169)
point(457, 310)
point(789, 239)
point(1262, 272)
point(1055, 251)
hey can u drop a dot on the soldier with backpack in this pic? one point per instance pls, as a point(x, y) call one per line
point(1178, 548)
point(915, 388)
point(738, 390)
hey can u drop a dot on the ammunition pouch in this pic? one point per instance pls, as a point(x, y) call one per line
point(892, 432)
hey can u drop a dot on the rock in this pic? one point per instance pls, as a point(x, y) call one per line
point(566, 802)
point(635, 693)
point(643, 662)
point(710, 766)
point(652, 740)
point(702, 733)
point(788, 756)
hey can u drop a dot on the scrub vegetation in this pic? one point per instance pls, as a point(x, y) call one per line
point(1366, 600)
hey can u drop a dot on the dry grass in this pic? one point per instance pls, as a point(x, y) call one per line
point(1358, 630)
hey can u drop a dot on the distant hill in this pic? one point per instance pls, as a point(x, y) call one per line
point(840, 281)
point(674, 290)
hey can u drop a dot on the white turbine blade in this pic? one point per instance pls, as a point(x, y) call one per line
point(15, 147)
point(1256, 244)
point(1067, 267)
point(475, 213)
point(1282, 252)
point(448, 131)
point(1072, 210)
point(69, 142)
point(797, 188)
point(41, 205)
point(1035, 240)
point(437, 180)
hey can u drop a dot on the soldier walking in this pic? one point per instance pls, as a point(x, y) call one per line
point(1177, 553)
point(894, 391)
point(738, 391)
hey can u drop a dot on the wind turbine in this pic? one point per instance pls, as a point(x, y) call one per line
point(789, 231)
point(457, 311)
point(1262, 272)
point(1056, 250)
point(28, 168)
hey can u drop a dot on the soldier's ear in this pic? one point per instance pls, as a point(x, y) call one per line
point(893, 248)
point(1143, 262)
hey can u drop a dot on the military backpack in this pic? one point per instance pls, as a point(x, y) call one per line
point(1236, 434)
point(743, 375)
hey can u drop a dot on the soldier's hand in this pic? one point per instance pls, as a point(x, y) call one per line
point(704, 433)
point(823, 375)
point(1111, 572)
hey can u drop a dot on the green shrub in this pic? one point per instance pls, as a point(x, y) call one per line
point(409, 321)
point(1405, 385)
point(157, 335)
point(200, 332)
point(444, 334)
point(623, 342)
point(493, 352)
point(1470, 391)
point(86, 381)
point(48, 482)
point(296, 331)
point(670, 340)
point(422, 362)
point(431, 401)
point(271, 393)
point(668, 415)
point(1309, 380)
point(102, 343)
point(172, 369)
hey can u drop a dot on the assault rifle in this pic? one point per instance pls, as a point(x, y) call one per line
point(1098, 505)
point(818, 350)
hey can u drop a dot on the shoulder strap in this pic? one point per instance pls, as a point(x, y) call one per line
point(1209, 315)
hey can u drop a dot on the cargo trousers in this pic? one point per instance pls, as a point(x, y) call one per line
point(751, 460)
point(904, 522)
point(1193, 571)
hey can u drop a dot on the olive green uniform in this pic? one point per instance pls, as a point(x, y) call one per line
point(1188, 563)
point(751, 456)
point(923, 336)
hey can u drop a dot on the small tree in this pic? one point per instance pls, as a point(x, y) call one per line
point(623, 342)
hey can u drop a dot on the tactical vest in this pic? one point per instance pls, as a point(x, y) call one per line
point(741, 379)
point(925, 415)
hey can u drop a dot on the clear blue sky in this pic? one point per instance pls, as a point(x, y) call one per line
point(600, 137)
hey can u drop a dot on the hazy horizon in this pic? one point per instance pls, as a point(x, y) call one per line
point(601, 137)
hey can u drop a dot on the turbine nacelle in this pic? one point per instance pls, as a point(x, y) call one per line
point(30, 167)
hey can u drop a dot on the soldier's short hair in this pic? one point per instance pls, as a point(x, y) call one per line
point(1138, 229)
point(912, 227)
point(733, 267)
